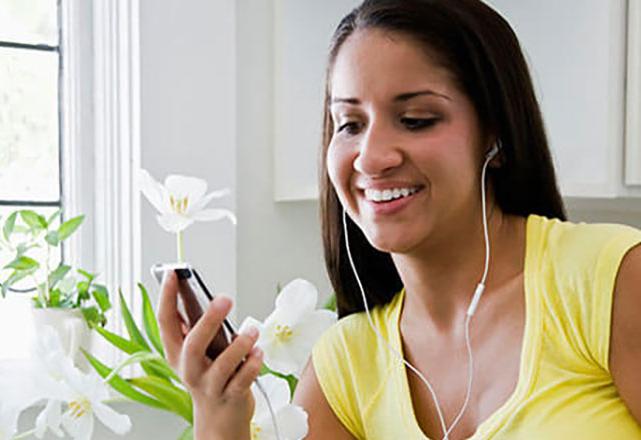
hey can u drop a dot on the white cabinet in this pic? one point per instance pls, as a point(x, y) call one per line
point(577, 55)
point(576, 50)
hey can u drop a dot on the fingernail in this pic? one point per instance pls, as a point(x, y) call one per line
point(256, 351)
point(222, 302)
point(252, 331)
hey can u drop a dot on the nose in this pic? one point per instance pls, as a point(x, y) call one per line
point(379, 152)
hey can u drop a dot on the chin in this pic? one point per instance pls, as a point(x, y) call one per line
point(385, 242)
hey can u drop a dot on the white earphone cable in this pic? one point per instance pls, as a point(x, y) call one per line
point(470, 312)
point(269, 405)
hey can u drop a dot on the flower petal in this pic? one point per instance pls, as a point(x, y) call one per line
point(8, 421)
point(80, 428)
point(118, 423)
point(315, 324)
point(152, 190)
point(182, 187)
point(174, 222)
point(200, 204)
point(281, 357)
point(277, 390)
point(50, 418)
point(213, 214)
point(292, 422)
point(299, 296)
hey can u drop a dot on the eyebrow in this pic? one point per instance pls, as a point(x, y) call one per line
point(399, 98)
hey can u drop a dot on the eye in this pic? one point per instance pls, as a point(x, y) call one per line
point(350, 128)
point(418, 123)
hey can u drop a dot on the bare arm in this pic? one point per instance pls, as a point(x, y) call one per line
point(323, 423)
point(625, 343)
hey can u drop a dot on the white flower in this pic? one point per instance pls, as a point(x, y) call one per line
point(181, 201)
point(60, 382)
point(8, 421)
point(291, 419)
point(84, 397)
point(289, 333)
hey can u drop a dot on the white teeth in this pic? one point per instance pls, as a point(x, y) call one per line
point(388, 194)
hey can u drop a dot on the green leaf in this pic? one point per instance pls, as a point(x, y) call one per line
point(178, 400)
point(330, 304)
point(9, 225)
point(12, 279)
point(119, 342)
point(23, 263)
point(187, 434)
point(89, 276)
point(54, 298)
point(58, 274)
point(52, 238)
point(69, 227)
point(67, 285)
point(135, 358)
point(150, 322)
point(121, 385)
point(101, 295)
point(33, 219)
point(132, 328)
point(162, 369)
point(54, 216)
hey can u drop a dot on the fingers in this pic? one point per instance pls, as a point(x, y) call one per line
point(200, 336)
point(242, 380)
point(228, 361)
point(171, 332)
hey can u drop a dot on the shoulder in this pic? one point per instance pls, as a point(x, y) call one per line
point(576, 271)
point(625, 350)
point(576, 247)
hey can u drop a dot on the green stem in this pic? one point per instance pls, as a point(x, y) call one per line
point(47, 293)
point(179, 246)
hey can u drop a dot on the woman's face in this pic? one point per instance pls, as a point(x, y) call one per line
point(402, 130)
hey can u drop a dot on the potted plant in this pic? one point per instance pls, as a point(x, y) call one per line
point(66, 299)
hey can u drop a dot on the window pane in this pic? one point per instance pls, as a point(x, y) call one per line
point(29, 21)
point(39, 254)
point(29, 167)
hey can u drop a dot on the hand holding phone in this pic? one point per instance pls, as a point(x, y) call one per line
point(220, 388)
point(193, 299)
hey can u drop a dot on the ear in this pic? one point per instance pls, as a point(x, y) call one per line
point(498, 157)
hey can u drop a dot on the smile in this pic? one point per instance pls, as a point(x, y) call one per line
point(390, 201)
point(386, 195)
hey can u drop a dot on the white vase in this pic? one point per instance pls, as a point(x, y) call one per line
point(72, 329)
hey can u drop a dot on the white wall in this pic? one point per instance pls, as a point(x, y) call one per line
point(188, 83)
point(277, 242)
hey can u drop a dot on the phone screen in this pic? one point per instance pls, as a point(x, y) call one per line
point(193, 299)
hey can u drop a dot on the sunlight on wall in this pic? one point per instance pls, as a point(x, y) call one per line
point(16, 327)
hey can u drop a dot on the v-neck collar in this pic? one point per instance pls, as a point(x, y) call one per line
point(529, 349)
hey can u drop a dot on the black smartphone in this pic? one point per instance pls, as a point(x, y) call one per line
point(193, 298)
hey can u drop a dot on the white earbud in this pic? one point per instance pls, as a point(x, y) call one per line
point(493, 151)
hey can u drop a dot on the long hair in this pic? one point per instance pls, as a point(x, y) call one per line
point(479, 48)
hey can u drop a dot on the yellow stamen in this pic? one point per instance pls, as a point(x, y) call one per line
point(79, 408)
point(179, 206)
point(255, 431)
point(284, 332)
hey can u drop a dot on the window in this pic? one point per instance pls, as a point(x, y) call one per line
point(30, 133)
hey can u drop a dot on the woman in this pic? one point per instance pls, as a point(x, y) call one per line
point(423, 99)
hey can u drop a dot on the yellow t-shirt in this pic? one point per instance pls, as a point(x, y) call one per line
point(564, 390)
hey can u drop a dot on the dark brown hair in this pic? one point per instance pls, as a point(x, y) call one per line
point(482, 52)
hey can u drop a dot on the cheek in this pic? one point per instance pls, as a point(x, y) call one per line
point(338, 168)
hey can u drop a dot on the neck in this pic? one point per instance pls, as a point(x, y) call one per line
point(440, 278)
